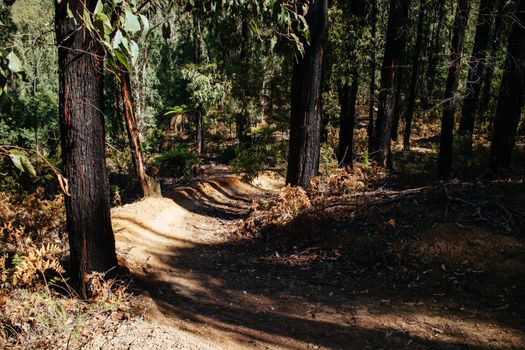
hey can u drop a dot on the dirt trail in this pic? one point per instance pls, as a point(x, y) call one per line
point(209, 291)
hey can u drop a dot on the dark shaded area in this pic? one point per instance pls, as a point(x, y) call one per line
point(319, 278)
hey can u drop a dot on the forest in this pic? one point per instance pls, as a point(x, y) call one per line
point(262, 174)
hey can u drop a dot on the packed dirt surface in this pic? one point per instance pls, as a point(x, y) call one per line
point(357, 280)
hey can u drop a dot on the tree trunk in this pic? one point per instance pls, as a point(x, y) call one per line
point(147, 185)
point(81, 67)
point(303, 157)
point(395, 39)
point(398, 106)
point(434, 51)
point(416, 62)
point(199, 141)
point(447, 121)
point(511, 95)
point(475, 75)
point(372, 88)
point(494, 47)
point(347, 101)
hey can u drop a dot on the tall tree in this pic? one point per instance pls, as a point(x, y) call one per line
point(199, 141)
point(511, 94)
point(447, 121)
point(355, 12)
point(148, 186)
point(416, 63)
point(476, 71)
point(372, 87)
point(347, 101)
point(395, 39)
point(434, 51)
point(243, 119)
point(495, 45)
point(303, 157)
point(81, 63)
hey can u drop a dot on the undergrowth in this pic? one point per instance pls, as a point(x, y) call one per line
point(38, 308)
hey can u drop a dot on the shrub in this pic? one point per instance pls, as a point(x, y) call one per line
point(176, 162)
point(247, 162)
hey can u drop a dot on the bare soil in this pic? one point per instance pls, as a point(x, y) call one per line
point(440, 267)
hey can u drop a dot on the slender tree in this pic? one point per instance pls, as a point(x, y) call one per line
point(348, 92)
point(434, 51)
point(148, 186)
point(495, 45)
point(476, 71)
point(447, 121)
point(511, 94)
point(199, 141)
point(416, 63)
point(81, 63)
point(372, 87)
point(347, 101)
point(395, 39)
point(303, 157)
point(243, 119)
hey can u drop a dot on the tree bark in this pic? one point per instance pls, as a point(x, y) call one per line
point(81, 67)
point(511, 94)
point(303, 157)
point(398, 106)
point(476, 71)
point(447, 121)
point(416, 63)
point(434, 51)
point(395, 39)
point(495, 45)
point(347, 101)
point(372, 88)
point(147, 185)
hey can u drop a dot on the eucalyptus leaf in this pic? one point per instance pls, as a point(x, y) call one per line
point(98, 8)
point(14, 65)
point(131, 22)
point(145, 25)
point(15, 158)
point(28, 167)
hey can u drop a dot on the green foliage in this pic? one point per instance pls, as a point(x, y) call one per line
point(327, 158)
point(176, 162)
point(264, 152)
point(247, 162)
point(204, 86)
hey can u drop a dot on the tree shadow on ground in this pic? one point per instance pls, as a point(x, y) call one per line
point(344, 281)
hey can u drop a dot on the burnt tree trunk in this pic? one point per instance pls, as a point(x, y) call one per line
point(398, 106)
point(372, 87)
point(305, 121)
point(147, 185)
point(447, 121)
point(495, 45)
point(348, 94)
point(511, 94)
point(81, 67)
point(416, 63)
point(395, 39)
point(476, 70)
point(347, 101)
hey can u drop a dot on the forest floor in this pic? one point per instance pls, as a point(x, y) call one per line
point(401, 263)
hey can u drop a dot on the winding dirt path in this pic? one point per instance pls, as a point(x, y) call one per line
point(207, 291)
